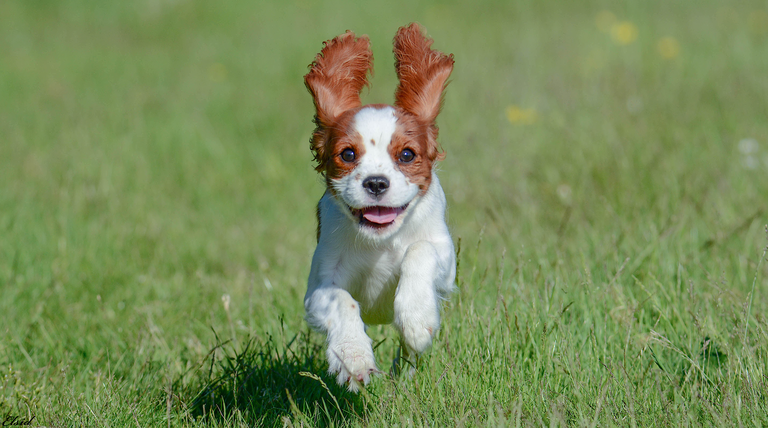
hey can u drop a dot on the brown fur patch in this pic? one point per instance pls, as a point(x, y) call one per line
point(414, 135)
point(423, 73)
point(341, 136)
point(335, 79)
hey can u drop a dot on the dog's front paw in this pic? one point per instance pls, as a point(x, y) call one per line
point(417, 334)
point(353, 364)
point(418, 320)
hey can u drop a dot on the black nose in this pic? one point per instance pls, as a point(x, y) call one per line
point(376, 185)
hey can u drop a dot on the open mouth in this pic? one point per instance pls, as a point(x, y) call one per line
point(378, 216)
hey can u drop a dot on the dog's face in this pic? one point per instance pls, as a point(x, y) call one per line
point(378, 167)
point(377, 159)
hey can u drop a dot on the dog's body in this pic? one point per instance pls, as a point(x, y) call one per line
point(384, 252)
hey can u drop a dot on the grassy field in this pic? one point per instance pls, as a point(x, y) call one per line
point(607, 181)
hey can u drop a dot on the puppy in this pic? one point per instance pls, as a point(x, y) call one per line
point(384, 253)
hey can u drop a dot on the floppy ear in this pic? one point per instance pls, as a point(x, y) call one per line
point(335, 79)
point(423, 73)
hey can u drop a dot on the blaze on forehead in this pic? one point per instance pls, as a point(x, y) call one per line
point(393, 125)
point(376, 122)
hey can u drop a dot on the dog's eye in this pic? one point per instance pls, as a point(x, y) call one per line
point(348, 155)
point(407, 155)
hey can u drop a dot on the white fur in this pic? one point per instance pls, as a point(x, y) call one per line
point(363, 276)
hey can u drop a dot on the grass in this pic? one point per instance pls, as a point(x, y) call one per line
point(608, 195)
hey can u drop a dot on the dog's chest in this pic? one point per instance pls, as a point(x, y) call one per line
point(373, 282)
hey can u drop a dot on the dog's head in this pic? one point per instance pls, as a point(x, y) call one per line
point(377, 159)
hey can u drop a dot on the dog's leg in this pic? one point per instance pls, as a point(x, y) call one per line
point(350, 355)
point(417, 313)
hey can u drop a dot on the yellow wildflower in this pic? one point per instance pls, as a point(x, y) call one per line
point(520, 116)
point(624, 32)
point(668, 47)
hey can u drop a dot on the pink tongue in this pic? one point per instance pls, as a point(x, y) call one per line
point(380, 215)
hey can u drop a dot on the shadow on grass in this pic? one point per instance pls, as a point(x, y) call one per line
point(262, 384)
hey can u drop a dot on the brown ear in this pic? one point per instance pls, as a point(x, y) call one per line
point(422, 72)
point(335, 79)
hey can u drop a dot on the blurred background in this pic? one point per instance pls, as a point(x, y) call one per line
point(154, 160)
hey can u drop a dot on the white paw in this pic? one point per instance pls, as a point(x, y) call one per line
point(418, 335)
point(353, 363)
